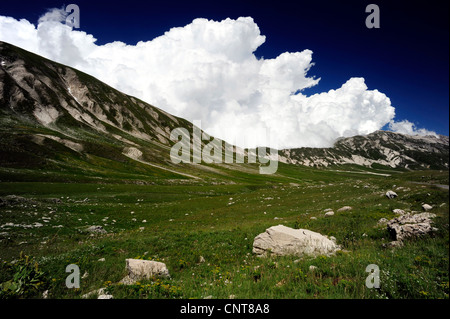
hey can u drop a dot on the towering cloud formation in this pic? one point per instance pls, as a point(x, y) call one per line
point(207, 71)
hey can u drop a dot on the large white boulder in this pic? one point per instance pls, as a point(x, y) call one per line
point(281, 240)
point(144, 269)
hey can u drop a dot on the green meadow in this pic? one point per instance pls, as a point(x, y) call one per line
point(203, 230)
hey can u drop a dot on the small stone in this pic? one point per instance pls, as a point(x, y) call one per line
point(96, 230)
point(391, 194)
point(344, 209)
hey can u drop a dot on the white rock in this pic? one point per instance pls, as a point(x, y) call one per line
point(98, 292)
point(344, 209)
point(328, 214)
point(96, 230)
point(281, 240)
point(144, 269)
point(399, 211)
point(391, 194)
point(410, 225)
point(427, 207)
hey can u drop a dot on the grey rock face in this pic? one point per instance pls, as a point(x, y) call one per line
point(409, 225)
point(380, 147)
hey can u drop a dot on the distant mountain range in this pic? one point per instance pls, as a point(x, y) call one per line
point(55, 117)
point(378, 149)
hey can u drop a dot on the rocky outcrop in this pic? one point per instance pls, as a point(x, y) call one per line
point(11, 200)
point(410, 225)
point(281, 240)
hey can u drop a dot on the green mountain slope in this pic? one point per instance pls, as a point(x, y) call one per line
point(61, 124)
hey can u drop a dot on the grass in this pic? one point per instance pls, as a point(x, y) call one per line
point(179, 224)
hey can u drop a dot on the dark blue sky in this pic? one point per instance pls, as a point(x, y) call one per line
point(407, 58)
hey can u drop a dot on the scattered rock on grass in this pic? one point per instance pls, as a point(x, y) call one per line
point(427, 207)
point(281, 240)
point(144, 269)
point(391, 194)
point(345, 209)
point(101, 294)
point(410, 225)
point(96, 230)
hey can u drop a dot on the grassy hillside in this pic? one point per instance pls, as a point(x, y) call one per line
point(180, 223)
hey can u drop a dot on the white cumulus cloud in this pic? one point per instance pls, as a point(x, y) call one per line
point(207, 71)
point(406, 127)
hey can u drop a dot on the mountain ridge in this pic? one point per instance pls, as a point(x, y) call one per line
point(379, 148)
point(48, 110)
